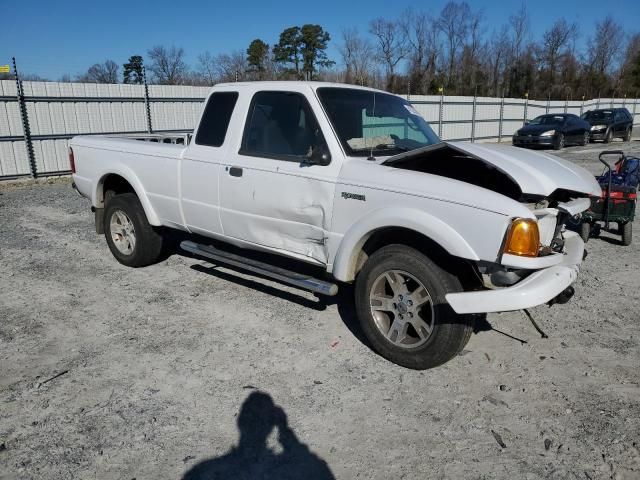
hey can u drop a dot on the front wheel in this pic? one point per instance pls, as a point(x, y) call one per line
point(559, 143)
point(401, 306)
point(609, 137)
point(130, 237)
point(585, 231)
point(627, 233)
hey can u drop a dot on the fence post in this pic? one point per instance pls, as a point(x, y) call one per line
point(548, 102)
point(566, 104)
point(501, 118)
point(26, 130)
point(147, 104)
point(582, 106)
point(526, 106)
point(613, 99)
point(598, 104)
point(440, 113)
point(473, 115)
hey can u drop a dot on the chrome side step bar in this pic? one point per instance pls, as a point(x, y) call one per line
point(301, 281)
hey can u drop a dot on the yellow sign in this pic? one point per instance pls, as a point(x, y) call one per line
point(5, 69)
point(440, 89)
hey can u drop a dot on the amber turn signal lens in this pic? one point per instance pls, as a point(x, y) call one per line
point(523, 238)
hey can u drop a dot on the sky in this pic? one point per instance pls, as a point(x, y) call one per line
point(55, 37)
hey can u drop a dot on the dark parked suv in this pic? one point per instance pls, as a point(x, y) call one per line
point(609, 123)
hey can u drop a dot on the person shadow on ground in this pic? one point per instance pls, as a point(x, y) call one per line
point(252, 459)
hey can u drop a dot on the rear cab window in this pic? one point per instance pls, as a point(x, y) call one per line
point(215, 119)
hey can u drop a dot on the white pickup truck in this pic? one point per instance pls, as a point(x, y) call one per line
point(354, 181)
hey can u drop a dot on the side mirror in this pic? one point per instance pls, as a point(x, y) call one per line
point(526, 122)
point(318, 155)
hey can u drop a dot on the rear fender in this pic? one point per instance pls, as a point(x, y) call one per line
point(125, 172)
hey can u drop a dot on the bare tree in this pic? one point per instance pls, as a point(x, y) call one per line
point(555, 42)
point(357, 55)
point(519, 23)
point(167, 64)
point(391, 46)
point(106, 72)
point(453, 23)
point(605, 46)
point(206, 68)
point(231, 67)
point(424, 48)
point(499, 60)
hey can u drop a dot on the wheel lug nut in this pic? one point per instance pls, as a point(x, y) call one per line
point(400, 297)
point(410, 315)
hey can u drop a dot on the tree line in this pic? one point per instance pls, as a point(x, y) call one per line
point(455, 52)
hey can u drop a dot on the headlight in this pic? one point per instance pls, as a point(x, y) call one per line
point(548, 133)
point(523, 238)
point(598, 127)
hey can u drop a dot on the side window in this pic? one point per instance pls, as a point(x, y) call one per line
point(619, 116)
point(215, 119)
point(281, 125)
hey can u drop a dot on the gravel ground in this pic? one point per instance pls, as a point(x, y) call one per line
point(162, 368)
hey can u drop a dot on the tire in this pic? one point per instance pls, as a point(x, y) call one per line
point(627, 135)
point(131, 239)
point(418, 337)
point(627, 233)
point(559, 143)
point(585, 139)
point(609, 137)
point(585, 231)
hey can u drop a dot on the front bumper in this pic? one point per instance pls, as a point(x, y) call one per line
point(538, 288)
point(598, 134)
point(531, 140)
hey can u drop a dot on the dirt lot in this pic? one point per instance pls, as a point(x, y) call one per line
point(168, 366)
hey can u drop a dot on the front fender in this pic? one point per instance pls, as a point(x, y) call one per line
point(403, 217)
point(129, 175)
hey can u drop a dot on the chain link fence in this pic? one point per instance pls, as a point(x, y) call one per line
point(37, 119)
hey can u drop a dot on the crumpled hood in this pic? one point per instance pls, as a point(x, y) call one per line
point(536, 173)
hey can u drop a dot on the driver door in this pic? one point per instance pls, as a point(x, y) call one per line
point(270, 194)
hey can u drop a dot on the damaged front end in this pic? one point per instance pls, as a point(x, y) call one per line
point(538, 259)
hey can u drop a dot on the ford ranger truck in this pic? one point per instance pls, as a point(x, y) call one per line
point(355, 184)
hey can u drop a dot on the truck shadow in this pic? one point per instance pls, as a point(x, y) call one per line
point(343, 300)
point(252, 458)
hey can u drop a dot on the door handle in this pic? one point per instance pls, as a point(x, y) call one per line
point(235, 171)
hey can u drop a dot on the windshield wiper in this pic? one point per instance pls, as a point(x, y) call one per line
point(383, 146)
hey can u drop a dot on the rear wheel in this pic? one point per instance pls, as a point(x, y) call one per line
point(627, 233)
point(627, 135)
point(401, 306)
point(585, 231)
point(559, 143)
point(130, 237)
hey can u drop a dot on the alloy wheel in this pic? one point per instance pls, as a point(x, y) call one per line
point(402, 308)
point(122, 232)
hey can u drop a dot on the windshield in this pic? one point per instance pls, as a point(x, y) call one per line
point(547, 120)
point(598, 115)
point(371, 123)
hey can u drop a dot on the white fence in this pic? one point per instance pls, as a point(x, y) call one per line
point(58, 111)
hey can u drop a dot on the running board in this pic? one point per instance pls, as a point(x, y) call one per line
point(301, 281)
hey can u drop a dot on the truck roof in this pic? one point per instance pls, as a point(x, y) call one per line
point(280, 83)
